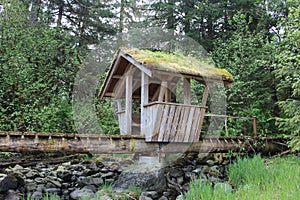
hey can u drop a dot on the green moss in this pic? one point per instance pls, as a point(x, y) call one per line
point(178, 63)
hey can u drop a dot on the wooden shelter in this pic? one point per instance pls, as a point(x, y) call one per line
point(151, 77)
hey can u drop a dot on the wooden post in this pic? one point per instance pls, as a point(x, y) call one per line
point(128, 104)
point(187, 91)
point(255, 127)
point(202, 111)
point(119, 104)
point(144, 100)
point(226, 126)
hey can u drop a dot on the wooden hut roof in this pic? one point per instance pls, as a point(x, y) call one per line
point(157, 62)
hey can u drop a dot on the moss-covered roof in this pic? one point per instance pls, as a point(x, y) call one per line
point(178, 63)
point(153, 63)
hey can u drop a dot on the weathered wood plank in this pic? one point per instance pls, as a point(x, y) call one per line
point(144, 100)
point(175, 124)
point(187, 91)
point(128, 104)
point(169, 124)
point(162, 131)
point(95, 143)
point(183, 122)
point(195, 125)
point(157, 122)
point(189, 123)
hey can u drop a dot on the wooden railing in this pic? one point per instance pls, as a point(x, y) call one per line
point(226, 117)
point(171, 122)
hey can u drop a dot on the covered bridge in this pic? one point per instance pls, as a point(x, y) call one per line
point(151, 77)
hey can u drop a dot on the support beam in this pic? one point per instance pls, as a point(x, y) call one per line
point(162, 91)
point(202, 111)
point(128, 104)
point(144, 100)
point(107, 144)
point(187, 91)
point(119, 104)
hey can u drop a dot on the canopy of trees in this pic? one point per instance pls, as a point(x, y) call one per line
point(43, 44)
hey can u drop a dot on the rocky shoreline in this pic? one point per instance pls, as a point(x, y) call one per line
point(83, 176)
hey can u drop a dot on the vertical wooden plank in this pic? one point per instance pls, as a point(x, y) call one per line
point(175, 123)
point(144, 100)
point(183, 121)
point(180, 124)
point(169, 123)
point(195, 123)
point(119, 104)
point(128, 103)
point(189, 125)
point(157, 122)
point(187, 91)
point(226, 126)
point(149, 127)
point(162, 128)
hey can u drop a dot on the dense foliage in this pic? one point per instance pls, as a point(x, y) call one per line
point(44, 43)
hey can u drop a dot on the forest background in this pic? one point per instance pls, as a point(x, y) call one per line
point(44, 43)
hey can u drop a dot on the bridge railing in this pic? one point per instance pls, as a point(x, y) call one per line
point(252, 120)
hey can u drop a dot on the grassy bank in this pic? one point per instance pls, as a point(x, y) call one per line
point(253, 178)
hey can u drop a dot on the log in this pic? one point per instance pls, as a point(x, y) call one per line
point(116, 144)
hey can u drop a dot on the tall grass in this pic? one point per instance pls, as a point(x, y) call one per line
point(254, 178)
point(248, 171)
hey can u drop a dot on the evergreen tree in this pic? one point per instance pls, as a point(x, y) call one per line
point(38, 65)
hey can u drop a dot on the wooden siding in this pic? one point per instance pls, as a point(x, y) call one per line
point(170, 122)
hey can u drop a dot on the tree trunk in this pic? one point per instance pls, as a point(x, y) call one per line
point(35, 9)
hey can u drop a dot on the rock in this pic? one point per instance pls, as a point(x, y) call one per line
point(83, 181)
point(109, 181)
point(36, 195)
point(90, 187)
point(214, 171)
point(60, 168)
point(107, 175)
point(205, 169)
point(53, 190)
point(163, 198)
point(17, 168)
point(32, 174)
point(166, 194)
point(197, 171)
point(144, 198)
point(210, 162)
point(56, 183)
point(12, 195)
point(151, 194)
point(180, 197)
point(31, 186)
point(65, 176)
point(40, 188)
point(174, 172)
point(79, 193)
point(180, 180)
point(9, 182)
point(39, 180)
point(147, 177)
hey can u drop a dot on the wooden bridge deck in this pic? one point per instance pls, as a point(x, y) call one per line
point(104, 144)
